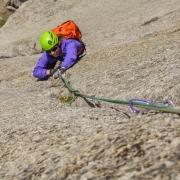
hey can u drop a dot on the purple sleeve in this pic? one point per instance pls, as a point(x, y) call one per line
point(42, 65)
point(40, 68)
point(71, 54)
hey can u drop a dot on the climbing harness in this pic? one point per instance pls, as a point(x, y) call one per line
point(165, 106)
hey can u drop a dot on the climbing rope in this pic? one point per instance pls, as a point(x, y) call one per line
point(133, 102)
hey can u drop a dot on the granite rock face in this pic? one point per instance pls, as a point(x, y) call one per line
point(12, 5)
point(4, 12)
point(132, 52)
point(8, 7)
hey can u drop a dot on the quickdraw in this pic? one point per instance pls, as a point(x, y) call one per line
point(133, 102)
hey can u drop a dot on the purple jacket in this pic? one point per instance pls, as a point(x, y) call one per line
point(69, 47)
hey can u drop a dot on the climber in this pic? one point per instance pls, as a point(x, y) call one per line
point(56, 48)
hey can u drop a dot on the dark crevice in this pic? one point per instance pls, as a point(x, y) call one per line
point(150, 21)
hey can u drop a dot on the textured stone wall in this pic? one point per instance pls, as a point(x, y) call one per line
point(4, 12)
point(7, 7)
point(132, 52)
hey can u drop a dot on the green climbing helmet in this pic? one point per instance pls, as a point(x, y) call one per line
point(48, 40)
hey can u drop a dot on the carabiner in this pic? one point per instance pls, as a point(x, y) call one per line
point(138, 101)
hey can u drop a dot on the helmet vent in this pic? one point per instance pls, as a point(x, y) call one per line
point(49, 42)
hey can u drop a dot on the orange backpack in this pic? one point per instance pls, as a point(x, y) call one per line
point(69, 30)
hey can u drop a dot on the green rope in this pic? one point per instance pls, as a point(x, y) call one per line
point(137, 104)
